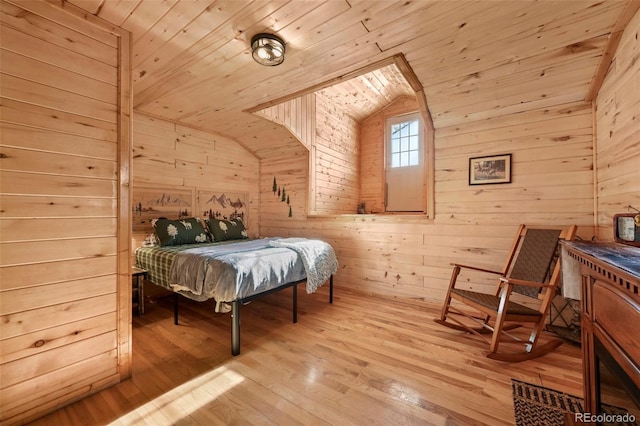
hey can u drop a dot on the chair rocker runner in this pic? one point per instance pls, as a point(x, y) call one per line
point(533, 270)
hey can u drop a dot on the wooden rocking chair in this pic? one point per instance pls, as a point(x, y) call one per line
point(532, 269)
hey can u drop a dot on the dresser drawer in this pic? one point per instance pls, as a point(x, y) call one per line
point(618, 314)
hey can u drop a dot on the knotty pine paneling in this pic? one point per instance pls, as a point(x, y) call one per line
point(92, 373)
point(169, 21)
point(292, 174)
point(29, 275)
point(171, 155)
point(330, 135)
point(37, 139)
point(409, 256)
point(618, 133)
point(65, 295)
point(372, 141)
point(298, 115)
point(203, 36)
point(192, 63)
point(336, 159)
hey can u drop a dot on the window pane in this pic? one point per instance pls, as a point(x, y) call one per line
point(395, 145)
point(405, 145)
point(404, 130)
point(413, 142)
point(413, 158)
point(395, 160)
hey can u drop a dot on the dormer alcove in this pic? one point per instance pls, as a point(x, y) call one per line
point(342, 125)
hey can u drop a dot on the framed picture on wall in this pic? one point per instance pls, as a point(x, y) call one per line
point(491, 169)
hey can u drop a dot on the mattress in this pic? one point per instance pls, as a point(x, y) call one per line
point(226, 271)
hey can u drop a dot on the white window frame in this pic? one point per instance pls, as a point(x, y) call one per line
point(391, 121)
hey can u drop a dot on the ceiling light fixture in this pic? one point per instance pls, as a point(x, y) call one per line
point(267, 49)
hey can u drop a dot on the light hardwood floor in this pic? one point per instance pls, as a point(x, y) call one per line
point(363, 360)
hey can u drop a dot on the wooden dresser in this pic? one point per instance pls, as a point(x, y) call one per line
point(610, 304)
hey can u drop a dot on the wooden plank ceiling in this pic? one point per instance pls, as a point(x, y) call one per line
point(475, 59)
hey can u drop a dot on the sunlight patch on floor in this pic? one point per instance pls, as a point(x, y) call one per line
point(184, 400)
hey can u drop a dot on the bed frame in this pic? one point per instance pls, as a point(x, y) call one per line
point(236, 304)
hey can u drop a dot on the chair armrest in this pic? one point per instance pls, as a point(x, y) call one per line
point(514, 281)
point(475, 268)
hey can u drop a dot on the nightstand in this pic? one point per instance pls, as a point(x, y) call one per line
point(138, 276)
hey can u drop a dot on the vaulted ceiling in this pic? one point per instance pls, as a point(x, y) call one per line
point(475, 59)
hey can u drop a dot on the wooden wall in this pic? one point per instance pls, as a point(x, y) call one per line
point(618, 133)
point(168, 155)
point(331, 136)
point(336, 158)
point(557, 178)
point(65, 286)
point(297, 115)
point(64, 178)
point(292, 174)
point(372, 148)
point(408, 256)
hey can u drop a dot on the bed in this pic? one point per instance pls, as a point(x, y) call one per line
point(237, 271)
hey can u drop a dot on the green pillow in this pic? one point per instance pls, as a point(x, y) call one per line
point(223, 230)
point(177, 232)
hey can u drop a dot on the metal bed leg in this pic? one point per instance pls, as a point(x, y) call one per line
point(175, 308)
point(295, 303)
point(235, 328)
point(331, 289)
